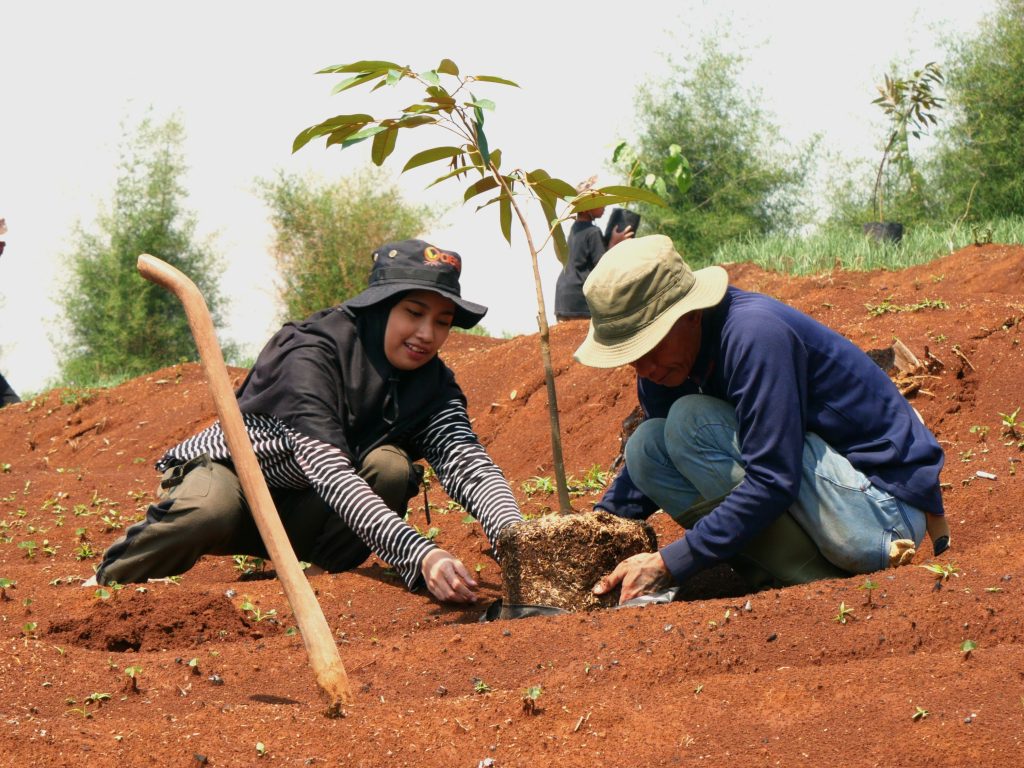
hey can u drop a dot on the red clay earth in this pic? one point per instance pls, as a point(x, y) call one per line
point(720, 678)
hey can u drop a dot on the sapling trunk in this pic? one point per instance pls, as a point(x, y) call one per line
point(545, 350)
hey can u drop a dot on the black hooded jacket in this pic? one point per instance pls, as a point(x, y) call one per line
point(328, 377)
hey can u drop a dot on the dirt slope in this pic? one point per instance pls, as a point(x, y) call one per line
point(769, 679)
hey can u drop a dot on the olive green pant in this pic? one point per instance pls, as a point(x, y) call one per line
point(202, 511)
point(780, 556)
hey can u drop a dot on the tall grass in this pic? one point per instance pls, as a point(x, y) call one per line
point(850, 249)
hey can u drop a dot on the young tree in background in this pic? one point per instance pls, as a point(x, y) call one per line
point(740, 183)
point(979, 163)
point(325, 233)
point(117, 324)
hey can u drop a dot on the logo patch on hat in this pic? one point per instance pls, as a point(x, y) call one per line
point(435, 257)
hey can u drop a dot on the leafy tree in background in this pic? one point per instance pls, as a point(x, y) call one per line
point(978, 169)
point(325, 234)
point(739, 183)
point(117, 324)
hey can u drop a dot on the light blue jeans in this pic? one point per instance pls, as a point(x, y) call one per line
point(839, 517)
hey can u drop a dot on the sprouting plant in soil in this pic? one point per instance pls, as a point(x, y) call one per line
point(942, 571)
point(869, 587)
point(254, 612)
point(261, 749)
point(531, 696)
point(844, 614)
point(966, 647)
point(479, 686)
point(6, 584)
point(1010, 423)
point(133, 674)
point(248, 565)
point(448, 104)
point(920, 713)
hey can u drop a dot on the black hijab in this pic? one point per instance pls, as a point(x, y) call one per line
point(328, 377)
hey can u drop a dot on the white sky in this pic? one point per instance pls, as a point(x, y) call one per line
point(240, 75)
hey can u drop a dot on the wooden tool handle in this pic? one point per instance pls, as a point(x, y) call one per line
point(316, 634)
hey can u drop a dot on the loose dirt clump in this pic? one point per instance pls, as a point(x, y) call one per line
point(143, 622)
point(556, 560)
point(720, 677)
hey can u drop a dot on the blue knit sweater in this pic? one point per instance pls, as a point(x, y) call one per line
point(786, 374)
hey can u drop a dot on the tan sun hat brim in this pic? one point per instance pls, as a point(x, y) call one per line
point(708, 289)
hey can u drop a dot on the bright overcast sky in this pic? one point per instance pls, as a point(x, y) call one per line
point(240, 76)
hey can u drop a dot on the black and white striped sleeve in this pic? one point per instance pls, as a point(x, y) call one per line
point(334, 479)
point(466, 471)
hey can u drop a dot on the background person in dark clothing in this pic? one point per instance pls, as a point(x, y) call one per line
point(7, 395)
point(824, 467)
point(586, 247)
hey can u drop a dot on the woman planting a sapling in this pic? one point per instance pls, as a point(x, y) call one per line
point(338, 407)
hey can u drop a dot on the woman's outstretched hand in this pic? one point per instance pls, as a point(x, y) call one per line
point(447, 578)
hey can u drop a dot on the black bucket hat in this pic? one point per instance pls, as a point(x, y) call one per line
point(414, 265)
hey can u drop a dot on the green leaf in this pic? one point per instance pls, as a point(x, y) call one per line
point(481, 104)
point(633, 194)
point(365, 133)
point(352, 82)
point(329, 126)
point(481, 138)
point(493, 79)
point(415, 109)
point(430, 77)
point(559, 188)
point(383, 145)
point(496, 158)
point(361, 66)
point(479, 187)
point(505, 217)
point(448, 67)
point(341, 135)
point(431, 156)
point(447, 103)
point(450, 174)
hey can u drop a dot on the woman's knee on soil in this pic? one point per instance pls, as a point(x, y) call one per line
point(390, 473)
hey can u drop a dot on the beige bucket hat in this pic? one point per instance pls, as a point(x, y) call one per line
point(636, 293)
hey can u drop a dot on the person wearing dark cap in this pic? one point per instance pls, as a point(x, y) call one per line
point(586, 246)
point(776, 443)
point(338, 407)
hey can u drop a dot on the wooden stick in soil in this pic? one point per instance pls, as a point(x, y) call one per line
point(316, 634)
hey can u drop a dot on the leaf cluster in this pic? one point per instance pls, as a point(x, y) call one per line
point(447, 101)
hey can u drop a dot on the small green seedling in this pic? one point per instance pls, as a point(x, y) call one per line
point(844, 614)
point(246, 564)
point(942, 571)
point(97, 698)
point(133, 674)
point(869, 587)
point(920, 714)
point(255, 613)
point(1010, 424)
point(478, 568)
point(28, 629)
point(30, 548)
point(966, 647)
point(530, 697)
point(6, 584)
point(84, 551)
point(193, 664)
point(479, 686)
point(261, 749)
point(102, 593)
point(5, 468)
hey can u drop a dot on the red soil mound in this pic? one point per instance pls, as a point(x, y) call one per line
point(772, 678)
